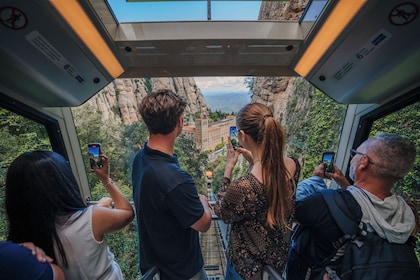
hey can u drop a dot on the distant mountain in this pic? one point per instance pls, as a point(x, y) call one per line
point(226, 102)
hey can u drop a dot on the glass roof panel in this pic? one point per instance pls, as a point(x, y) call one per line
point(193, 10)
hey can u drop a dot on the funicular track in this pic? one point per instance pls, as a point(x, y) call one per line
point(214, 244)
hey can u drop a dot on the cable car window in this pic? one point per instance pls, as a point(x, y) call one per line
point(18, 134)
point(404, 122)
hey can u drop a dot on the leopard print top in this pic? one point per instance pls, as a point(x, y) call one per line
point(252, 243)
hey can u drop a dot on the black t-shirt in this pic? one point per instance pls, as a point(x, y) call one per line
point(313, 212)
point(167, 204)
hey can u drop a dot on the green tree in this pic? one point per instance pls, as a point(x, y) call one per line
point(192, 160)
point(217, 166)
point(132, 140)
point(217, 115)
point(91, 128)
point(249, 82)
point(17, 135)
point(314, 130)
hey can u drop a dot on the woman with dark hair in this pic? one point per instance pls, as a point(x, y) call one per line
point(259, 205)
point(44, 205)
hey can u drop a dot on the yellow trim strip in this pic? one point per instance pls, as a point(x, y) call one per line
point(340, 17)
point(75, 16)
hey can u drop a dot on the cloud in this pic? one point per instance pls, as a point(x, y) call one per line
point(214, 84)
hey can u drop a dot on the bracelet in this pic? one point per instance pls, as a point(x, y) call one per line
point(110, 182)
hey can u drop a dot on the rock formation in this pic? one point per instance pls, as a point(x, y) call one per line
point(276, 92)
point(120, 99)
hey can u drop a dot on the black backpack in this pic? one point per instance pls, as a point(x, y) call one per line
point(358, 254)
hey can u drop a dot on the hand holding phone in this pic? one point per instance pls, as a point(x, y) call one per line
point(233, 133)
point(328, 161)
point(94, 151)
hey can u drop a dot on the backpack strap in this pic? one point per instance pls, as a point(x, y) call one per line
point(343, 217)
point(340, 212)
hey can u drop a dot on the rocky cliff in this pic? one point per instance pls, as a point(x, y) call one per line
point(279, 93)
point(120, 99)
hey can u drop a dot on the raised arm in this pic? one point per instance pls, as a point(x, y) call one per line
point(337, 175)
point(232, 158)
point(114, 216)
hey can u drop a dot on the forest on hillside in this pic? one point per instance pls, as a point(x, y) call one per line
point(309, 133)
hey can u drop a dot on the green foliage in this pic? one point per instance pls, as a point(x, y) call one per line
point(314, 128)
point(193, 161)
point(91, 128)
point(148, 85)
point(132, 140)
point(217, 115)
point(17, 135)
point(98, 190)
point(220, 146)
point(123, 245)
point(249, 83)
point(217, 166)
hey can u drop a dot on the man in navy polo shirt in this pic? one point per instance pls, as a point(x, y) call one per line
point(170, 212)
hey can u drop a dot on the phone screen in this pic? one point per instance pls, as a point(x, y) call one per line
point(233, 133)
point(94, 151)
point(328, 160)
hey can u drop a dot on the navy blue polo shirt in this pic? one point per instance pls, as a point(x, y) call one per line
point(167, 204)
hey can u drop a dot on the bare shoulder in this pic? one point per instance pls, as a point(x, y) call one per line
point(290, 165)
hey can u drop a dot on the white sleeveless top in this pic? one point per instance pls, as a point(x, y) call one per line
point(87, 258)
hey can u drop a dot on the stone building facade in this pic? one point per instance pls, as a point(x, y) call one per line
point(208, 135)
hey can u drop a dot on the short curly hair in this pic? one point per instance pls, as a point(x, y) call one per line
point(160, 110)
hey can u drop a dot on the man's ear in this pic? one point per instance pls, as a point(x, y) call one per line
point(363, 162)
point(179, 122)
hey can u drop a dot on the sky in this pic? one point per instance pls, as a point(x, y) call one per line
point(221, 84)
point(192, 10)
point(184, 10)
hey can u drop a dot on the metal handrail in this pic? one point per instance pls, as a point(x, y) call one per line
point(152, 273)
point(269, 273)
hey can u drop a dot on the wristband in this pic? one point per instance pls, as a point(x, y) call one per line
point(110, 182)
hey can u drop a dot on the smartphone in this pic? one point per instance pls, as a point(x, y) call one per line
point(233, 133)
point(328, 160)
point(94, 151)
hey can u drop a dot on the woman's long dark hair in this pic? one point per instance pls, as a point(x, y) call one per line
point(41, 191)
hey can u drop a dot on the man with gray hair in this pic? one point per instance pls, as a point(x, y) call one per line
point(376, 165)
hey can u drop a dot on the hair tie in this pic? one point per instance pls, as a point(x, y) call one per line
point(267, 116)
